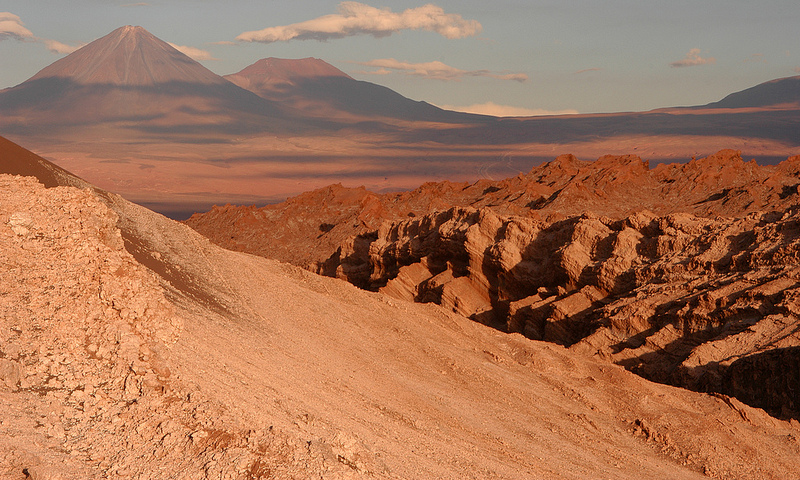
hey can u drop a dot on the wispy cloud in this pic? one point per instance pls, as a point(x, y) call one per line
point(755, 58)
point(224, 42)
point(57, 47)
point(495, 110)
point(194, 53)
point(354, 18)
point(435, 70)
point(587, 70)
point(693, 59)
point(12, 27)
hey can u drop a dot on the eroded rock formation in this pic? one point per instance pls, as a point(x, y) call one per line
point(131, 347)
point(676, 299)
point(674, 272)
point(306, 229)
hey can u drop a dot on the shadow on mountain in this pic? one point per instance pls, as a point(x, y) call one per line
point(365, 98)
point(780, 125)
point(775, 92)
point(768, 380)
point(168, 108)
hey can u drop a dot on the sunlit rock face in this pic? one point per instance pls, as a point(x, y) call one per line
point(674, 272)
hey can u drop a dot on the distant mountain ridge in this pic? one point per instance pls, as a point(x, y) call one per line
point(130, 113)
point(775, 92)
point(271, 73)
point(132, 76)
point(317, 88)
point(140, 82)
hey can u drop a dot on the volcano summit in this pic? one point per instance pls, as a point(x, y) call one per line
point(131, 80)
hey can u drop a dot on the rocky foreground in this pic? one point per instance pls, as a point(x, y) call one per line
point(132, 347)
point(685, 274)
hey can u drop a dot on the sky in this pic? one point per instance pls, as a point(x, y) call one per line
point(504, 57)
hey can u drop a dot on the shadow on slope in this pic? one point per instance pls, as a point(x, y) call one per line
point(164, 108)
point(776, 92)
point(369, 99)
point(779, 125)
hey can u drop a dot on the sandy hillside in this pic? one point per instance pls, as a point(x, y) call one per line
point(132, 347)
point(686, 274)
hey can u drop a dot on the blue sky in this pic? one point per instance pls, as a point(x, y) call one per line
point(555, 56)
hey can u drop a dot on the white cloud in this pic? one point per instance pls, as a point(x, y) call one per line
point(382, 71)
point(493, 109)
point(58, 47)
point(693, 59)
point(193, 53)
point(11, 26)
point(517, 77)
point(436, 70)
point(587, 70)
point(359, 19)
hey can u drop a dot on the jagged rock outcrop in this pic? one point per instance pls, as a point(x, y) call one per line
point(614, 259)
point(131, 347)
point(676, 299)
point(307, 229)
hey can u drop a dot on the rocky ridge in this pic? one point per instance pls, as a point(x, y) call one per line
point(134, 348)
point(676, 299)
point(85, 380)
point(634, 265)
point(306, 229)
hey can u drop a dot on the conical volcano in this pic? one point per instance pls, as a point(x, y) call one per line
point(271, 75)
point(318, 89)
point(129, 56)
point(133, 80)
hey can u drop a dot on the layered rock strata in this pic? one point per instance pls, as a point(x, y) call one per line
point(677, 298)
point(131, 347)
point(675, 272)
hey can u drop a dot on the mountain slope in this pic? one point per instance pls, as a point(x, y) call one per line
point(129, 56)
point(674, 272)
point(320, 89)
point(781, 91)
point(268, 75)
point(191, 361)
point(15, 160)
point(132, 78)
point(130, 114)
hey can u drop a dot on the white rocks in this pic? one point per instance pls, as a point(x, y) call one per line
point(10, 374)
point(20, 223)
